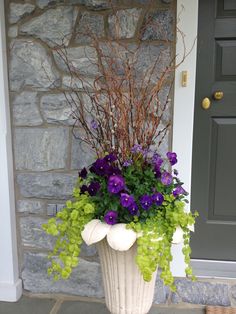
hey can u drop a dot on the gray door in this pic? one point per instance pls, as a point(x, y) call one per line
point(214, 142)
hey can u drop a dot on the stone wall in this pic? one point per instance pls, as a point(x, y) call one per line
point(46, 155)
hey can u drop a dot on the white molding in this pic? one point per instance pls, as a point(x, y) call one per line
point(187, 13)
point(10, 284)
point(11, 292)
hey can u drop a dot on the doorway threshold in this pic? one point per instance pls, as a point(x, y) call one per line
point(214, 268)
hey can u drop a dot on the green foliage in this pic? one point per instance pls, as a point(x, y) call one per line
point(67, 227)
point(155, 241)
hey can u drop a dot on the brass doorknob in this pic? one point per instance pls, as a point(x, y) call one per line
point(218, 95)
point(206, 103)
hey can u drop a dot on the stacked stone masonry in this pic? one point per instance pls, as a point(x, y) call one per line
point(47, 156)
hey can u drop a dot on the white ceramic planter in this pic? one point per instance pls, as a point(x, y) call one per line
point(125, 290)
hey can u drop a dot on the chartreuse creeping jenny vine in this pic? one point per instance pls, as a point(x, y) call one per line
point(67, 228)
point(144, 192)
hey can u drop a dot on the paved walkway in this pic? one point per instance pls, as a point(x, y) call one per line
point(69, 305)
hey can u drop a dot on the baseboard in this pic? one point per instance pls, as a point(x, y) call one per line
point(10, 292)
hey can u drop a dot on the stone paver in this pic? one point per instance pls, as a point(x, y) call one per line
point(77, 307)
point(45, 306)
point(27, 306)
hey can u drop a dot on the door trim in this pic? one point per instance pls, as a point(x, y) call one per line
point(183, 113)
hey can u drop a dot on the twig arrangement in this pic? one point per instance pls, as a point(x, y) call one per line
point(122, 105)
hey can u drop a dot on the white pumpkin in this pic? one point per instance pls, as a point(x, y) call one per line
point(178, 236)
point(95, 231)
point(119, 238)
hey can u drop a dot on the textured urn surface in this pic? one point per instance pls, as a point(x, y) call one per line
point(125, 290)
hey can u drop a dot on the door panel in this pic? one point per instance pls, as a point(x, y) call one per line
point(214, 141)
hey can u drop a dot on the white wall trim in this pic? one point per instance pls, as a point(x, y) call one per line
point(10, 284)
point(187, 11)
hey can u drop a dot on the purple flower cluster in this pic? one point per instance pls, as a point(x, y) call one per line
point(102, 166)
point(107, 174)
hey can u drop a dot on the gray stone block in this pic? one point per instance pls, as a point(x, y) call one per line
point(32, 234)
point(89, 26)
point(25, 110)
point(200, 292)
point(233, 292)
point(72, 83)
point(151, 58)
point(148, 60)
point(82, 59)
point(53, 209)
point(44, 3)
point(88, 251)
point(85, 280)
point(19, 10)
point(46, 185)
point(31, 206)
point(95, 4)
point(159, 26)
point(41, 149)
point(161, 293)
point(56, 108)
point(12, 31)
point(124, 23)
point(81, 155)
point(54, 26)
point(31, 66)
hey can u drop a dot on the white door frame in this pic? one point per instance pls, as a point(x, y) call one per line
point(10, 283)
point(187, 21)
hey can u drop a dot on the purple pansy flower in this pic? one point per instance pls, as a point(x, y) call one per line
point(126, 200)
point(110, 158)
point(115, 184)
point(128, 163)
point(133, 209)
point(83, 173)
point(112, 171)
point(100, 167)
point(157, 172)
point(93, 188)
point(179, 190)
point(83, 189)
point(157, 160)
point(136, 149)
point(146, 201)
point(172, 158)
point(166, 178)
point(157, 198)
point(111, 217)
point(94, 124)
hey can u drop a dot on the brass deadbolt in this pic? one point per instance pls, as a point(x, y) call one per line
point(206, 103)
point(218, 95)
